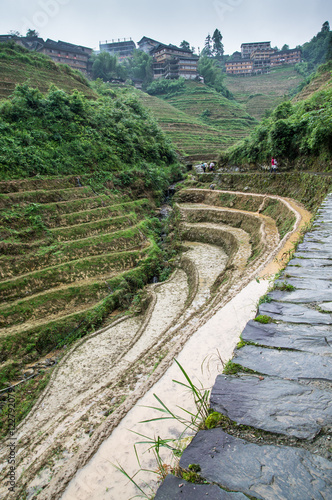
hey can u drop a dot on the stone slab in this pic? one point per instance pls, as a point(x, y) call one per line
point(316, 339)
point(310, 262)
point(273, 404)
point(285, 364)
point(294, 313)
point(261, 471)
point(316, 247)
point(327, 306)
point(322, 273)
point(323, 254)
point(302, 296)
point(306, 283)
point(174, 488)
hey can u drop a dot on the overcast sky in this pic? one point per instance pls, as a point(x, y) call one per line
point(86, 22)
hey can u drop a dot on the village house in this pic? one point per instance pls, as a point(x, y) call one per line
point(239, 66)
point(76, 56)
point(291, 56)
point(174, 62)
point(258, 57)
point(147, 44)
point(122, 48)
point(248, 48)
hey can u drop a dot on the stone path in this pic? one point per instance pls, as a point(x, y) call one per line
point(283, 388)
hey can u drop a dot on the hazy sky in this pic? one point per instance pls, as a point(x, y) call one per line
point(86, 22)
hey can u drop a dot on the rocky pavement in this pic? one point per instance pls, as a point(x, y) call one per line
point(283, 389)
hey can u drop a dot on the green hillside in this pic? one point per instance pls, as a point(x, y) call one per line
point(199, 121)
point(18, 65)
point(80, 182)
point(261, 93)
point(298, 133)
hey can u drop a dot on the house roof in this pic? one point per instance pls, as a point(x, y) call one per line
point(288, 51)
point(146, 39)
point(253, 43)
point(69, 47)
point(171, 47)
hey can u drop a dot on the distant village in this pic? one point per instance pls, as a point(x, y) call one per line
point(169, 61)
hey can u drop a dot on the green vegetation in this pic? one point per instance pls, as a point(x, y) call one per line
point(137, 68)
point(260, 94)
point(262, 318)
point(19, 65)
point(213, 76)
point(298, 132)
point(199, 120)
point(284, 286)
point(60, 133)
point(78, 236)
point(317, 50)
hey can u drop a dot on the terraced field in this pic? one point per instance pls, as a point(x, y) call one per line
point(199, 121)
point(102, 376)
point(12, 73)
point(261, 93)
point(69, 256)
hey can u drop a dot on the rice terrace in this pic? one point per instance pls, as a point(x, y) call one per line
point(166, 305)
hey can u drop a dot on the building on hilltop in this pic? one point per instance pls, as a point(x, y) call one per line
point(147, 44)
point(76, 56)
point(248, 48)
point(122, 48)
point(174, 62)
point(258, 57)
point(242, 66)
point(291, 56)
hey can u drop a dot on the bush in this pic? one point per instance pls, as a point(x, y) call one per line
point(61, 134)
point(163, 86)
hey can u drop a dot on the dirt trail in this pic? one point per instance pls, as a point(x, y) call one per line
point(104, 375)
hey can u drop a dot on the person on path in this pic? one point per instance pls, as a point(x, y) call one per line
point(274, 166)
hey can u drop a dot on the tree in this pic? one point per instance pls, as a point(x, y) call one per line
point(185, 45)
point(213, 76)
point(32, 33)
point(139, 67)
point(325, 27)
point(107, 67)
point(14, 33)
point(207, 51)
point(285, 47)
point(218, 47)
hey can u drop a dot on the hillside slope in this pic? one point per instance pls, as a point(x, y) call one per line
point(199, 121)
point(297, 133)
point(18, 65)
point(261, 93)
point(320, 80)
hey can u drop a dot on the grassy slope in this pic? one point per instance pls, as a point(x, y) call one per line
point(181, 117)
point(17, 71)
point(262, 93)
point(200, 121)
point(320, 81)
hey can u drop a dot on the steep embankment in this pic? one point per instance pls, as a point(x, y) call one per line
point(73, 248)
point(18, 65)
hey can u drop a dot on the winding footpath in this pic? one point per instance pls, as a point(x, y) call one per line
point(285, 399)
